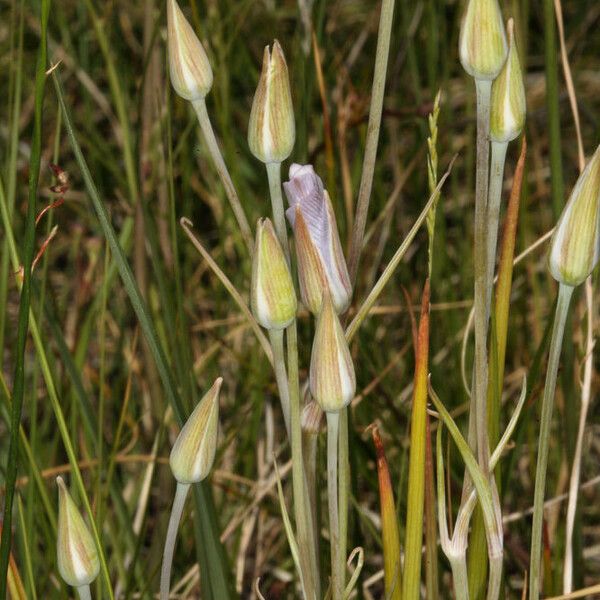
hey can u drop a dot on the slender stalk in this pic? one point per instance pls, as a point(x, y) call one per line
point(84, 592)
point(217, 157)
point(344, 483)
point(458, 564)
point(276, 337)
point(481, 264)
point(176, 512)
point(302, 508)
point(274, 175)
point(386, 19)
point(337, 574)
point(493, 214)
point(560, 316)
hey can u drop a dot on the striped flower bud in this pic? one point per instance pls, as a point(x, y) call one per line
point(272, 131)
point(482, 44)
point(273, 296)
point(191, 74)
point(507, 112)
point(194, 450)
point(321, 263)
point(575, 245)
point(332, 380)
point(76, 553)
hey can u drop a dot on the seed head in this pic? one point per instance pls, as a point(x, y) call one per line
point(191, 74)
point(508, 108)
point(194, 450)
point(273, 297)
point(76, 553)
point(575, 244)
point(482, 44)
point(332, 378)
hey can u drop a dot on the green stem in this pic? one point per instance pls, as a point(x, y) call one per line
point(276, 337)
point(560, 316)
point(337, 581)
point(84, 592)
point(458, 564)
point(176, 511)
point(274, 175)
point(217, 157)
point(480, 257)
point(344, 483)
point(386, 19)
point(493, 214)
point(302, 508)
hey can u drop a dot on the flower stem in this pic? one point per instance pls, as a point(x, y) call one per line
point(274, 175)
point(176, 511)
point(215, 152)
point(481, 264)
point(560, 316)
point(276, 337)
point(344, 483)
point(458, 564)
point(493, 214)
point(84, 592)
point(337, 584)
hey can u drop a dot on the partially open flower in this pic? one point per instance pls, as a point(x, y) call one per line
point(507, 110)
point(332, 378)
point(76, 553)
point(273, 297)
point(194, 450)
point(575, 245)
point(321, 263)
point(272, 131)
point(191, 74)
point(482, 44)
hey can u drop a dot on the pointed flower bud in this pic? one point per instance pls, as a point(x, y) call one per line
point(77, 557)
point(194, 450)
point(191, 74)
point(482, 44)
point(273, 297)
point(332, 379)
point(507, 112)
point(321, 263)
point(272, 131)
point(575, 244)
point(311, 419)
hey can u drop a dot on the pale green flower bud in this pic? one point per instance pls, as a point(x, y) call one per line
point(508, 108)
point(575, 244)
point(332, 379)
point(482, 44)
point(76, 553)
point(272, 131)
point(191, 74)
point(273, 296)
point(194, 450)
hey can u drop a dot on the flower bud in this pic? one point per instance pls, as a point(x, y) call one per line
point(191, 74)
point(273, 296)
point(194, 450)
point(321, 263)
point(76, 553)
point(507, 111)
point(575, 244)
point(272, 131)
point(332, 379)
point(311, 418)
point(482, 44)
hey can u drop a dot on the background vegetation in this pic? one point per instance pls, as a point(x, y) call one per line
point(144, 153)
